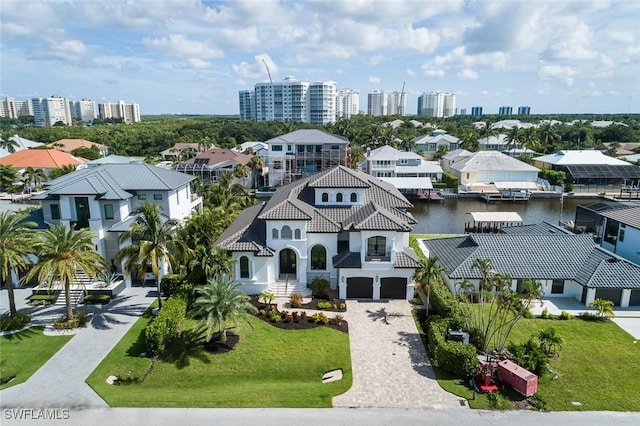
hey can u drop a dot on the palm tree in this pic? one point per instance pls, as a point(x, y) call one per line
point(34, 176)
point(16, 242)
point(428, 272)
point(485, 266)
point(61, 171)
point(154, 242)
point(604, 308)
point(7, 142)
point(219, 304)
point(214, 262)
point(240, 171)
point(513, 137)
point(469, 140)
point(256, 164)
point(61, 253)
point(8, 177)
point(550, 342)
point(547, 135)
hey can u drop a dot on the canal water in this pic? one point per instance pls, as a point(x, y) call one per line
point(449, 216)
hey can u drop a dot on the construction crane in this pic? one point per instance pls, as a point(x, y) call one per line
point(401, 106)
point(269, 72)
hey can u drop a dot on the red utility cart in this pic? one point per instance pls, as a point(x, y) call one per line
point(522, 381)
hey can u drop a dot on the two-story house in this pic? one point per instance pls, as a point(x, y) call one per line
point(340, 224)
point(105, 198)
point(620, 232)
point(429, 144)
point(303, 152)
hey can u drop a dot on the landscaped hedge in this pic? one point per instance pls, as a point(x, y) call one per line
point(170, 283)
point(455, 357)
point(451, 181)
point(442, 300)
point(166, 325)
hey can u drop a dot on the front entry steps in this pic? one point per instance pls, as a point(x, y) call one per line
point(287, 288)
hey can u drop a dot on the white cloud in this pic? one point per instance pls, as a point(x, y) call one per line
point(374, 80)
point(411, 73)
point(198, 63)
point(433, 73)
point(468, 74)
point(375, 60)
point(561, 72)
point(179, 45)
point(257, 69)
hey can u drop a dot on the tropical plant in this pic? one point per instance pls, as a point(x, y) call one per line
point(153, 241)
point(319, 286)
point(213, 261)
point(8, 178)
point(219, 304)
point(240, 171)
point(427, 273)
point(61, 171)
point(513, 137)
point(547, 136)
point(603, 307)
point(550, 342)
point(256, 164)
point(62, 253)
point(33, 176)
point(8, 142)
point(16, 243)
point(266, 298)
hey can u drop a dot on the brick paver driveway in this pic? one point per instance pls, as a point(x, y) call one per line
point(390, 367)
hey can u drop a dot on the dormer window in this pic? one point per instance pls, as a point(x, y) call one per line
point(339, 197)
point(354, 197)
point(325, 197)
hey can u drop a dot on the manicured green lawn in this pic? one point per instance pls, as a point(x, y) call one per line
point(270, 367)
point(22, 354)
point(599, 366)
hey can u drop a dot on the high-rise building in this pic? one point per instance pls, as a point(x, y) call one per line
point(247, 105)
point(437, 104)
point(49, 111)
point(347, 103)
point(505, 110)
point(10, 108)
point(84, 110)
point(128, 113)
point(290, 100)
point(476, 111)
point(381, 103)
point(524, 110)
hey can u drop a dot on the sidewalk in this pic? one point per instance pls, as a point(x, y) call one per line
point(61, 381)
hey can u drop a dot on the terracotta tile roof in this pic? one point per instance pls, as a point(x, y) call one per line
point(68, 145)
point(219, 155)
point(41, 159)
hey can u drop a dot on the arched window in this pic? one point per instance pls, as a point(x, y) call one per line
point(318, 258)
point(325, 197)
point(296, 234)
point(274, 234)
point(354, 197)
point(377, 246)
point(286, 233)
point(244, 267)
point(339, 197)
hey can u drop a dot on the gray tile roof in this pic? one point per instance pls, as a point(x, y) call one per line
point(247, 233)
point(534, 229)
point(347, 259)
point(629, 216)
point(372, 217)
point(537, 256)
point(407, 259)
point(116, 181)
point(338, 177)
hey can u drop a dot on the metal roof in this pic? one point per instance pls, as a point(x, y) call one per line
point(495, 217)
point(576, 157)
point(409, 182)
point(308, 136)
point(492, 160)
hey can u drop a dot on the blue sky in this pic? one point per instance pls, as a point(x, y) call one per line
point(191, 56)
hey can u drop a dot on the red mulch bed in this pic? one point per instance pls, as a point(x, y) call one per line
point(215, 346)
point(301, 324)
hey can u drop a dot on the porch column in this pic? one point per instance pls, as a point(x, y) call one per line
point(342, 286)
point(591, 295)
point(376, 287)
point(410, 288)
point(624, 300)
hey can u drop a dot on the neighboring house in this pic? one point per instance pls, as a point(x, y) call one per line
point(631, 158)
point(21, 144)
point(494, 169)
point(510, 124)
point(567, 265)
point(591, 170)
point(453, 157)
point(303, 152)
point(110, 159)
point(104, 199)
point(589, 219)
point(181, 151)
point(69, 145)
point(624, 149)
point(339, 224)
point(494, 143)
point(208, 165)
point(411, 174)
point(45, 159)
point(259, 148)
point(620, 232)
point(429, 144)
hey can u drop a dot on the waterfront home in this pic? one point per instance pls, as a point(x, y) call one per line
point(429, 144)
point(208, 165)
point(453, 157)
point(45, 159)
point(104, 199)
point(181, 151)
point(341, 225)
point(491, 171)
point(591, 170)
point(620, 232)
point(300, 153)
point(567, 265)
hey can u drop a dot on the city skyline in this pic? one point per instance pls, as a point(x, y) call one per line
point(194, 57)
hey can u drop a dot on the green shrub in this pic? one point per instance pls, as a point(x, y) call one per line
point(588, 316)
point(319, 286)
point(455, 357)
point(527, 314)
point(564, 315)
point(530, 356)
point(266, 298)
point(324, 305)
point(274, 315)
point(187, 291)
point(97, 299)
point(337, 319)
point(296, 300)
point(16, 323)
point(320, 318)
point(166, 325)
point(170, 283)
point(43, 299)
point(438, 185)
point(80, 319)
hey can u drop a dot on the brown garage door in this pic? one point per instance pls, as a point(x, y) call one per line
point(393, 288)
point(360, 288)
point(634, 300)
point(613, 294)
